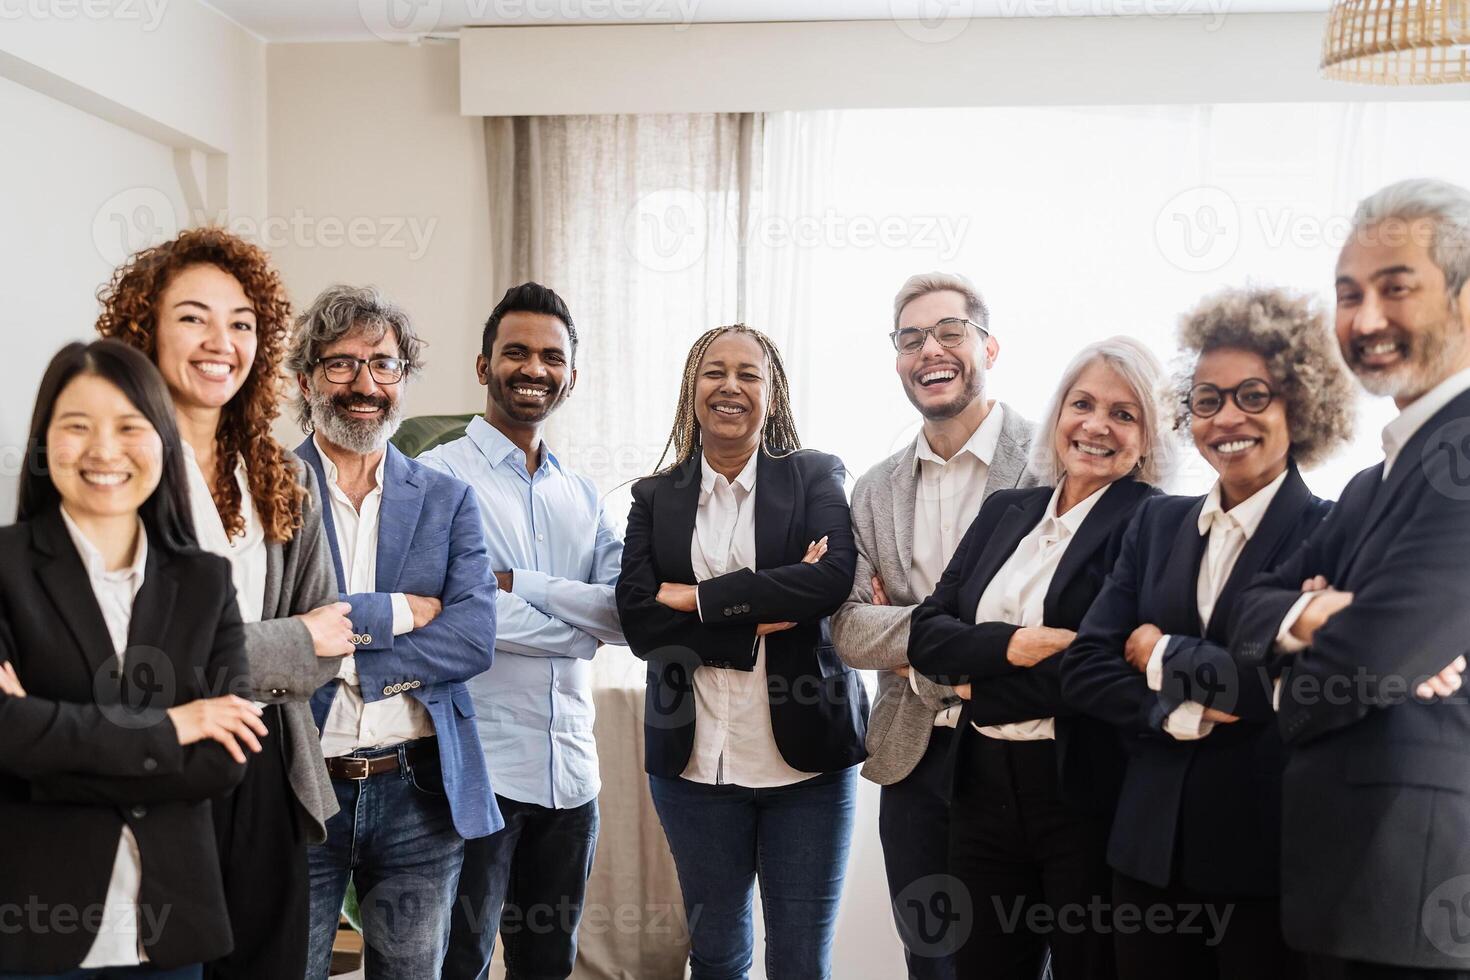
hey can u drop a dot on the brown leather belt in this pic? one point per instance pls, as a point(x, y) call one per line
point(354, 767)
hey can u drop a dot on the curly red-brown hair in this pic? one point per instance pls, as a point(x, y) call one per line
point(129, 314)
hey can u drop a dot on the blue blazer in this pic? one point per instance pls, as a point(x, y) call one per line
point(1205, 813)
point(429, 543)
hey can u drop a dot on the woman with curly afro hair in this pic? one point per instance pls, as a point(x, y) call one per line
point(210, 311)
point(1198, 820)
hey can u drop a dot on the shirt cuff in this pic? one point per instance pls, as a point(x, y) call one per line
point(948, 717)
point(1155, 670)
point(347, 669)
point(1276, 695)
point(1285, 642)
point(913, 680)
point(402, 614)
point(1187, 722)
point(698, 609)
point(531, 586)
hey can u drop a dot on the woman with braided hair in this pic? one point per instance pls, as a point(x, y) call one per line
point(735, 556)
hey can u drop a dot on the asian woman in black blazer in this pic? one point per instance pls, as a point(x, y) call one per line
point(1033, 786)
point(753, 724)
point(121, 647)
point(1197, 828)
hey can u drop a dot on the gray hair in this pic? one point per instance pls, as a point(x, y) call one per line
point(935, 282)
point(1143, 373)
point(1447, 204)
point(338, 311)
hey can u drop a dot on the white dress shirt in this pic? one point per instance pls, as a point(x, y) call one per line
point(1229, 531)
point(947, 496)
point(352, 723)
point(1017, 593)
point(1396, 434)
point(733, 740)
point(117, 936)
point(246, 553)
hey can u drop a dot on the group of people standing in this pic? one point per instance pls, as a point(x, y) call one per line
point(1119, 733)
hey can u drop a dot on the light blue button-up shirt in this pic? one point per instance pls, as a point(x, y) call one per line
point(534, 706)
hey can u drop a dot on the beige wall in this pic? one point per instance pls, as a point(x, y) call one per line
point(375, 177)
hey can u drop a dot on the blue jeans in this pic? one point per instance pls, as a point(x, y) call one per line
point(793, 838)
point(141, 972)
point(395, 838)
point(526, 882)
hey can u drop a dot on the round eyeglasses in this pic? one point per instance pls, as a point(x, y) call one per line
point(1252, 396)
point(343, 370)
point(949, 332)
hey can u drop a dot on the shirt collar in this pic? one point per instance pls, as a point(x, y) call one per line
point(1398, 432)
point(495, 446)
point(981, 444)
point(93, 561)
point(745, 479)
point(1246, 515)
point(1058, 528)
point(330, 468)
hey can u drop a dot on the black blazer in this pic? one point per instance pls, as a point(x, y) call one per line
point(77, 763)
point(1376, 813)
point(948, 646)
point(819, 706)
point(1204, 813)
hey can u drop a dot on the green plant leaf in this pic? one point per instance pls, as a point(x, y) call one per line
point(424, 432)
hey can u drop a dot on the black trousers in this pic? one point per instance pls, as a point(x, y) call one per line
point(1033, 867)
point(262, 851)
point(1177, 932)
point(913, 826)
point(1332, 968)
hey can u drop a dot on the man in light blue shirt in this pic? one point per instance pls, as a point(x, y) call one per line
point(558, 557)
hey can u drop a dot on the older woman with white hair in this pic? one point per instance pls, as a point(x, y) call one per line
point(1034, 784)
point(1198, 823)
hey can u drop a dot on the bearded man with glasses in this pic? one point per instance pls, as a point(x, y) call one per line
point(909, 513)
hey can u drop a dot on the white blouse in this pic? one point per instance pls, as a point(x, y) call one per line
point(733, 740)
point(1017, 593)
point(246, 553)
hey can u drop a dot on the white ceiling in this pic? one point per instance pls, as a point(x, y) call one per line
point(349, 20)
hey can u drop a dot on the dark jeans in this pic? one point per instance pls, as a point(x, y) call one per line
point(143, 972)
point(395, 838)
point(1030, 868)
point(793, 838)
point(913, 825)
point(526, 882)
point(262, 853)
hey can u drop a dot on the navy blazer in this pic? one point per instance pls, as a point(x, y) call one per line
point(948, 646)
point(1204, 813)
point(430, 543)
point(76, 767)
point(1376, 814)
point(819, 706)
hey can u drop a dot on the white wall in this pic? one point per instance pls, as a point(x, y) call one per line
point(95, 100)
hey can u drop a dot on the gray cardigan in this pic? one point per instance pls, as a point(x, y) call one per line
point(284, 668)
point(871, 637)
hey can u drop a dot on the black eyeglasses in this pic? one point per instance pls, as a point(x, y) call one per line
point(950, 332)
point(343, 370)
point(1251, 396)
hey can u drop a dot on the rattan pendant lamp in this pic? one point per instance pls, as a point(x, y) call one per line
point(1398, 42)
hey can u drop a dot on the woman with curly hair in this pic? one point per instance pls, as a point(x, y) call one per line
point(1197, 827)
point(212, 314)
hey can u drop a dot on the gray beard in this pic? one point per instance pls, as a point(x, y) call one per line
point(361, 436)
point(1430, 361)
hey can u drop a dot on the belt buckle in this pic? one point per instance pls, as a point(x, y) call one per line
point(352, 762)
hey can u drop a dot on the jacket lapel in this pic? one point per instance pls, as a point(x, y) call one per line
point(675, 503)
point(775, 506)
point(153, 607)
point(398, 517)
point(1115, 505)
point(904, 486)
point(1014, 524)
point(1179, 587)
point(1283, 515)
point(307, 453)
point(66, 583)
point(1011, 451)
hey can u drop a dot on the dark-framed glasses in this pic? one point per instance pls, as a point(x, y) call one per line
point(342, 369)
point(1252, 396)
point(949, 332)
